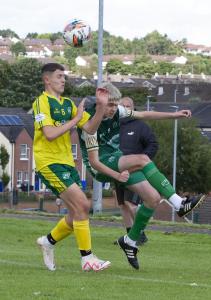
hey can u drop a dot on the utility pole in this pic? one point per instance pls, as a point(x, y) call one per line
point(97, 186)
point(174, 152)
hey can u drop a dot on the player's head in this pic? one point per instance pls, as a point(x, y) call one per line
point(54, 78)
point(113, 99)
point(127, 102)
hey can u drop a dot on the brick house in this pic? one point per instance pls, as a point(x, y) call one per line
point(16, 134)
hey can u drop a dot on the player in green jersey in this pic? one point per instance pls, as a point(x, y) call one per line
point(103, 159)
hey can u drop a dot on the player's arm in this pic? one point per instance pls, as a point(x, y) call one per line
point(51, 132)
point(152, 115)
point(101, 168)
point(93, 156)
point(155, 115)
point(92, 125)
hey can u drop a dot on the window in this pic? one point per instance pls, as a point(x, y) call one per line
point(187, 91)
point(160, 91)
point(26, 177)
point(19, 178)
point(23, 152)
point(74, 151)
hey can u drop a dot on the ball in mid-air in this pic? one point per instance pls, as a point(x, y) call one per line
point(77, 33)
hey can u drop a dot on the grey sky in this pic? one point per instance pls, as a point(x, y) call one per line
point(179, 19)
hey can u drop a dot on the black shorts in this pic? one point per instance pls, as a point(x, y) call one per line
point(123, 194)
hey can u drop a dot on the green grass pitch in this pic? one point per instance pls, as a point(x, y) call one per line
point(173, 266)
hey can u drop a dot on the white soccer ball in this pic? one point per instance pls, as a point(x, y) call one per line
point(76, 33)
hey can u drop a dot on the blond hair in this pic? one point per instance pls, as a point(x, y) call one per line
point(113, 92)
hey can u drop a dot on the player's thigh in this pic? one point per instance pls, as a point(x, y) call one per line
point(58, 177)
point(76, 198)
point(64, 181)
point(133, 162)
point(146, 192)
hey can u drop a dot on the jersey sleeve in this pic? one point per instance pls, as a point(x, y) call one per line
point(84, 119)
point(124, 112)
point(90, 141)
point(42, 113)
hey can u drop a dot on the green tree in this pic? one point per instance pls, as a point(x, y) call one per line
point(193, 155)
point(8, 33)
point(160, 44)
point(115, 66)
point(139, 94)
point(4, 159)
point(5, 179)
point(5, 71)
point(44, 36)
point(55, 36)
point(32, 35)
point(18, 49)
point(70, 54)
point(24, 84)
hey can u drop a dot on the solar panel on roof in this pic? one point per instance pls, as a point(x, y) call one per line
point(10, 120)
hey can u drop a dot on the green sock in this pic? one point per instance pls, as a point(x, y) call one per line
point(158, 180)
point(141, 219)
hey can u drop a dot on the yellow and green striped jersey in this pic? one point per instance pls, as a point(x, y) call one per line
point(50, 111)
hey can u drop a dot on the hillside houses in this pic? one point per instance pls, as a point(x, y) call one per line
point(35, 48)
point(38, 48)
point(197, 49)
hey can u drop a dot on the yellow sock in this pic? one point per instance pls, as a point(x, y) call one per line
point(61, 230)
point(82, 234)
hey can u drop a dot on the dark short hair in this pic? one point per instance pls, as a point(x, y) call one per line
point(52, 67)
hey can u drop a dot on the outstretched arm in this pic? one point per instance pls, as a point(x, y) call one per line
point(155, 115)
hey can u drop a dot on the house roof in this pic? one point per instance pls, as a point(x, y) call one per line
point(26, 118)
point(32, 42)
point(11, 132)
point(203, 112)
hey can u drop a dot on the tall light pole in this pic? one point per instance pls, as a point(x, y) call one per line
point(97, 186)
point(100, 43)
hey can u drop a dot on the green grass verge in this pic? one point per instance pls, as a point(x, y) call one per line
point(106, 217)
point(173, 266)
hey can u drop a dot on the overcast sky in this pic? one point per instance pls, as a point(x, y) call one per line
point(179, 19)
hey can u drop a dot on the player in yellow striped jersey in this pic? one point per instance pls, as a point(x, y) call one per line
point(54, 116)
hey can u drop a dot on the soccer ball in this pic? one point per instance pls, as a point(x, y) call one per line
point(76, 33)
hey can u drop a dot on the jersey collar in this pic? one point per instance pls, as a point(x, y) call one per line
point(52, 96)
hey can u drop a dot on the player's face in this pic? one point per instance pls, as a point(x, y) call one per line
point(111, 109)
point(55, 82)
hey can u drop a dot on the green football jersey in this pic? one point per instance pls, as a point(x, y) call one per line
point(107, 136)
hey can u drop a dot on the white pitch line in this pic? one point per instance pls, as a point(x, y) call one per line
point(164, 281)
point(135, 277)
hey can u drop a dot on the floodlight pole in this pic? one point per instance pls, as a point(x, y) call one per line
point(97, 186)
point(100, 43)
